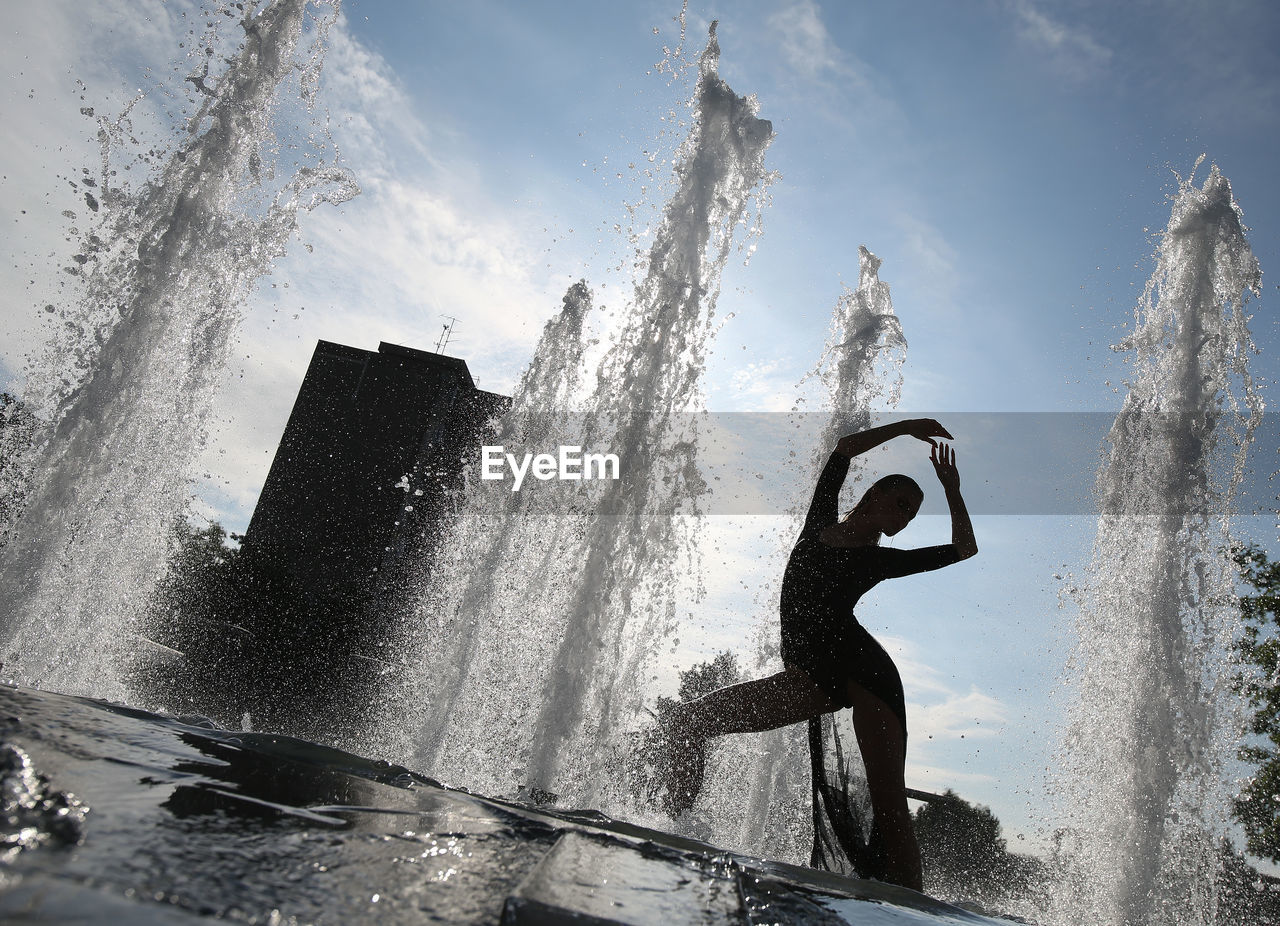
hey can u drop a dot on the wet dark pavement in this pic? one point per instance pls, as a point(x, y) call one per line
point(113, 814)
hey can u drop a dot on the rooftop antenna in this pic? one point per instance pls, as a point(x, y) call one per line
point(443, 341)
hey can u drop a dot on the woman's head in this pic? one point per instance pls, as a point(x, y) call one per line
point(890, 503)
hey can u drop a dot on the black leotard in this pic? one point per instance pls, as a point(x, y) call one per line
point(820, 633)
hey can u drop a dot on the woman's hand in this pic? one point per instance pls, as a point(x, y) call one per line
point(944, 464)
point(943, 457)
point(925, 429)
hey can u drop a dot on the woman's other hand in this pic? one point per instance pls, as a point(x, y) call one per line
point(943, 457)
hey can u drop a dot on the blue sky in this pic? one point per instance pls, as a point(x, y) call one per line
point(1008, 160)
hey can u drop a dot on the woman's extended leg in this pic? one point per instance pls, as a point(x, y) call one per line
point(779, 700)
point(762, 704)
point(883, 744)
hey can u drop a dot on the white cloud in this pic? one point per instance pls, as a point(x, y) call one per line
point(1070, 50)
point(931, 255)
point(941, 716)
point(412, 254)
point(768, 386)
point(805, 41)
point(370, 106)
point(959, 715)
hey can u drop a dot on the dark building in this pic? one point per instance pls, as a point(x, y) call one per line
point(365, 472)
point(373, 447)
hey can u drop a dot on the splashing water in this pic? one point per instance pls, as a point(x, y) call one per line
point(555, 666)
point(863, 360)
point(507, 553)
point(127, 395)
point(1154, 722)
point(652, 372)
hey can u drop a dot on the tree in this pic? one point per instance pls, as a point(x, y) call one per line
point(193, 626)
point(706, 677)
point(231, 632)
point(961, 846)
point(1246, 895)
point(1258, 806)
point(702, 678)
point(966, 859)
point(651, 755)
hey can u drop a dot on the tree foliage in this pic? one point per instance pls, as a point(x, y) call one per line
point(1244, 894)
point(706, 677)
point(966, 858)
point(234, 633)
point(194, 624)
point(1258, 806)
point(959, 840)
point(702, 678)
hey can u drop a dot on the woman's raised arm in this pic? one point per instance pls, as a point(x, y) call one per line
point(944, 464)
point(925, 429)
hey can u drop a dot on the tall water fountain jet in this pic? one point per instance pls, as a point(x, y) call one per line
point(1155, 720)
point(506, 553)
point(649, 376)
point(862, 363)
point(128, 390)
point(549, 680)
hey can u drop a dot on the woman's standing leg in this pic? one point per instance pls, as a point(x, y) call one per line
point(883, 743)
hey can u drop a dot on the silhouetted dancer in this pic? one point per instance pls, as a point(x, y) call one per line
point(830, 660)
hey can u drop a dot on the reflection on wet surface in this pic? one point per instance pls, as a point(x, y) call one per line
point(239, 825)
